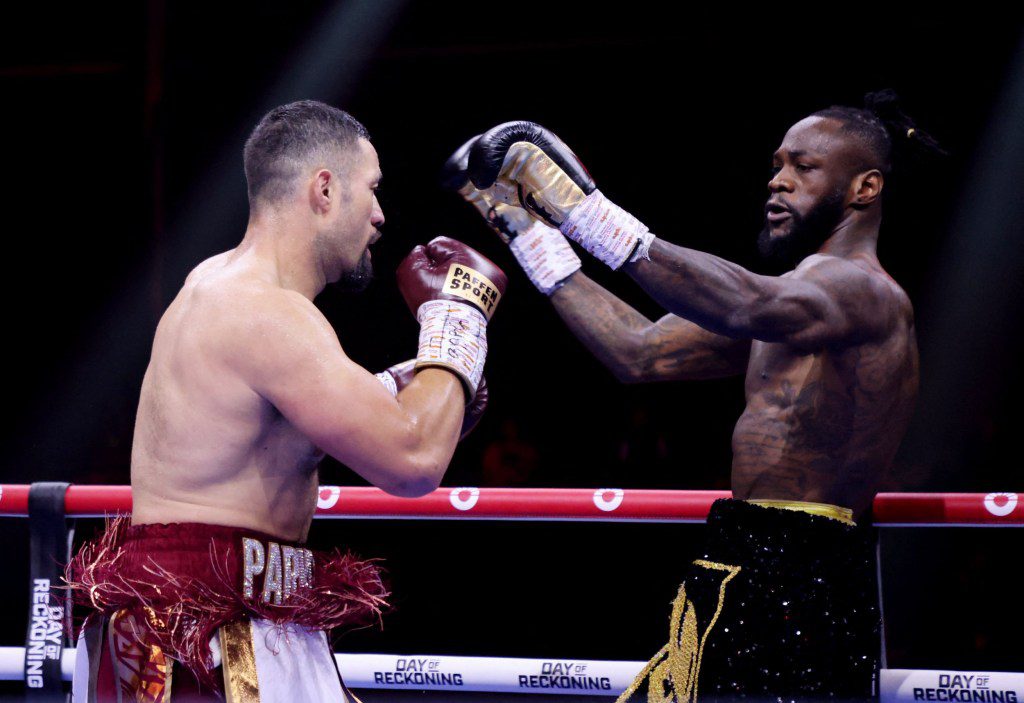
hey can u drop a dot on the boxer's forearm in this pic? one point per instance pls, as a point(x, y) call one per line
point(612, 330)
point(638, 350)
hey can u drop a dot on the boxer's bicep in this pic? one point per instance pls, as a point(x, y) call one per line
point(402, 445)
point(822, 306)
point(677, 350)
point(299, 366)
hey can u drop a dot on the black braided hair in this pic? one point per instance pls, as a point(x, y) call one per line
point(883, 128)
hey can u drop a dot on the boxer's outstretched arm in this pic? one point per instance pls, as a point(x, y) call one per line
point(290, 355)
point(637, 350)
point(825, 301)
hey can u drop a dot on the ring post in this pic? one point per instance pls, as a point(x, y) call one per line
point(49, 551)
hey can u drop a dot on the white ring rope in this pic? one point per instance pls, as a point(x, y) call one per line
point(426, 672)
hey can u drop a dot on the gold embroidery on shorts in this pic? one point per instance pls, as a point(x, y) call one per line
point(671, 674)
point(238, 660)
point(142, 670)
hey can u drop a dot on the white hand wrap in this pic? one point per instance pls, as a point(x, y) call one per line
point(453, 335)
point(546, 257)
point(388, 380)
point(607, 231)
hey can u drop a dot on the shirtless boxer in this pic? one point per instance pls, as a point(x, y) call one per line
point(783, 604)
point(246, 390)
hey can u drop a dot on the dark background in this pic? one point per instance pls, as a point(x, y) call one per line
point(122, 129)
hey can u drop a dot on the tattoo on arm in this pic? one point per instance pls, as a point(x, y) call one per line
point(682, 350)
point(638, 350)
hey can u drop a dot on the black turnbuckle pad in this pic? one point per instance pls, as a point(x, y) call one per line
point(48, 604)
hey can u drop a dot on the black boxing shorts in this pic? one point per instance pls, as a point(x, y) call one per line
point(781, 606)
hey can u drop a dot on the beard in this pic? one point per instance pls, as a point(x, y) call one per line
point(357, 279)
point(806, 234)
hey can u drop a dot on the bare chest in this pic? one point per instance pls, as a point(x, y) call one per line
point(833, 403)
point(801, 399)
point(777, 371)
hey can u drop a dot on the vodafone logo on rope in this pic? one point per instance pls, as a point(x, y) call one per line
point(608, 499)
point(328, 497)
point(464, 498)
point(1000, 504)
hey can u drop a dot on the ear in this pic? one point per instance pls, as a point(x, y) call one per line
point(323, 191)
point(867, 188)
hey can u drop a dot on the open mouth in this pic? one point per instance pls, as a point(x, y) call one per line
point(776, 213)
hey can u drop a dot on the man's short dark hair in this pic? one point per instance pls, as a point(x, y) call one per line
point(866, 128)
point(287, 139)
point(882, 129)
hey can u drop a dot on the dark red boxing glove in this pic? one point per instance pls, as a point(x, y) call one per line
point(397, 377)
point(447, 269)
point(452, 290)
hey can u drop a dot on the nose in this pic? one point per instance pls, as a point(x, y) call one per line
point(376, 215)
point(780, 182)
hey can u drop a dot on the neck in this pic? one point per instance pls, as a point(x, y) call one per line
point(284, 247)
point(855, 235)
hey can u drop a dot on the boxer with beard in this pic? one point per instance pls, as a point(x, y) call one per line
point(808, 231)
point(783, 602)
point(210, 592)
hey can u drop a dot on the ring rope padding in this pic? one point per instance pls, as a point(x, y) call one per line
point(575, 504)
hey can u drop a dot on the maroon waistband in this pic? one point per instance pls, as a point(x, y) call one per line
point(187, 535)
point(249, 563)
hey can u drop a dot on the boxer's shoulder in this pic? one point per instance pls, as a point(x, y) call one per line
point(854, 276)
point(245, 297)
point(234, 317)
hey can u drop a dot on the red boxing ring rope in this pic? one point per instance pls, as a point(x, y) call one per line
point(580, 504)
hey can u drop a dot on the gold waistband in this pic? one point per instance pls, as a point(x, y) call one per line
point(834, 512)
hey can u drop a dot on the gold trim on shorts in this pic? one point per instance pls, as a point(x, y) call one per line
point(142, 671)
point(238, 660)
point(833, 512)
point(671, 674)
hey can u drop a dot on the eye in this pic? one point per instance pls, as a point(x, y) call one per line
point(774, 170)
point(803, 168)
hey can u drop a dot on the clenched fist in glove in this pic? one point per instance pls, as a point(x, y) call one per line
point(452, 290)
point(542, 251)
point(521, 163)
